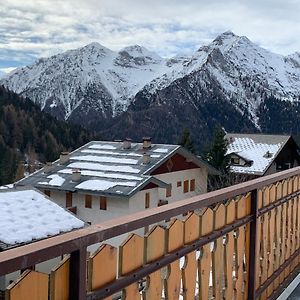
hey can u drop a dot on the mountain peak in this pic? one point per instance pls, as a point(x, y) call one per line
point(225, 36)
point(95, 46)
point(140, 51)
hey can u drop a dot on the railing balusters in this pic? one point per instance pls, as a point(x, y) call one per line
point(78, 278)
point(261, 249)
point(253, 247)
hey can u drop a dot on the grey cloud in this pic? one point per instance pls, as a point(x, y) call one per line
point(45, 27)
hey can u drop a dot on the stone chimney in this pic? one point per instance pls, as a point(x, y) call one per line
point(76, 175)
point(146, 158)
point(64, 158)
point(48, 167)
point(127, 143)
point(146, 142)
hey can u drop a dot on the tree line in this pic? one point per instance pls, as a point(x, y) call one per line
point(28, 135)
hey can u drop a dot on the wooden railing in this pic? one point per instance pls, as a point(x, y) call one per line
point(241, 242)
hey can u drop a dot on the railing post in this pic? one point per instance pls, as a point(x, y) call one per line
point(78, 265)
point(253, 247)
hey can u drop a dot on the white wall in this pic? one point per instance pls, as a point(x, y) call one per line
point(200, 176)
point(117, 207)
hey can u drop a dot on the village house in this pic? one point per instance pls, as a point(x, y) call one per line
point(26, 216)
point(255, 155)
point(104, 180)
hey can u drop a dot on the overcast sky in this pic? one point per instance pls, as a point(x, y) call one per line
point(37, 28)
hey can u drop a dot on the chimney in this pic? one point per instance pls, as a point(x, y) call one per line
point(146, 142)
point(146, 158)
point(127, 143)
point(48, 167)
point(76, 175)
point(64, 157)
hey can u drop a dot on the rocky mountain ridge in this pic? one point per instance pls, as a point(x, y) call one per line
point(134, 91)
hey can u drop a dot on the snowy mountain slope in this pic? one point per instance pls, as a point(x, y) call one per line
point(62, 83)
point(245, 72)
point(95, 86)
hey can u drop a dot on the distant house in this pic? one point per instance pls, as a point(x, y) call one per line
point(257, 155)
point(28, 215)
point(104, 180)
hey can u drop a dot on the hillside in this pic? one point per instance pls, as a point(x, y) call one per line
point(31, 136)
point(232, 83)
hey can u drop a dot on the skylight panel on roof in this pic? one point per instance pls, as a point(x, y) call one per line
point(103, 147)
point(102, 185)
point(105, 159)
point(100, 167)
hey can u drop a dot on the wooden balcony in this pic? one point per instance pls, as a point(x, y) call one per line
point(241, 242)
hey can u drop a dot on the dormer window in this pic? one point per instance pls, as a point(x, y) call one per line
point(268, 154)
point(235, 160)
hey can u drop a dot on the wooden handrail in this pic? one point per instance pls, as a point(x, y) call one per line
point(76, 242)
point(25, 256)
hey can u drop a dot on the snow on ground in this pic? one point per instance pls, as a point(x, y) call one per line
point(105, 159)
point(28, 215)
point(56, 180)
point(100, 167)
point(102, 185)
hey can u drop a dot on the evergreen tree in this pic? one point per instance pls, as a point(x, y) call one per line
point(216, 156)
point(30, 136)
point(186, 141)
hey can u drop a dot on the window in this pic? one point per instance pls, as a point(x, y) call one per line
point(192, 185)
point(147, 200)
point(169, 191)
point(186, 186)
point(47, 193)
point(68, 199)
point(103, 203)
point(178, 183)
point(162, 202)
point(235, 160)
point(88, 201)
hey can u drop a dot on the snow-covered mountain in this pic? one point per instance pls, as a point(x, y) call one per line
point(98, 87)
point(92, 76)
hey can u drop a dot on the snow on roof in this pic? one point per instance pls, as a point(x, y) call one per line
point(103, 174)
point(160, 150)
point(27, 215)
point(261, 150)
point(103, 146)
point(56, 180)
point(102, 185)
point(96, 166)
point(105, 167)
point(105, 159)
point(6, 187)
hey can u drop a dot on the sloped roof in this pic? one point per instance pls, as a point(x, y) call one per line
point(261, 149)
point(27, 215)
point(108, 169)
